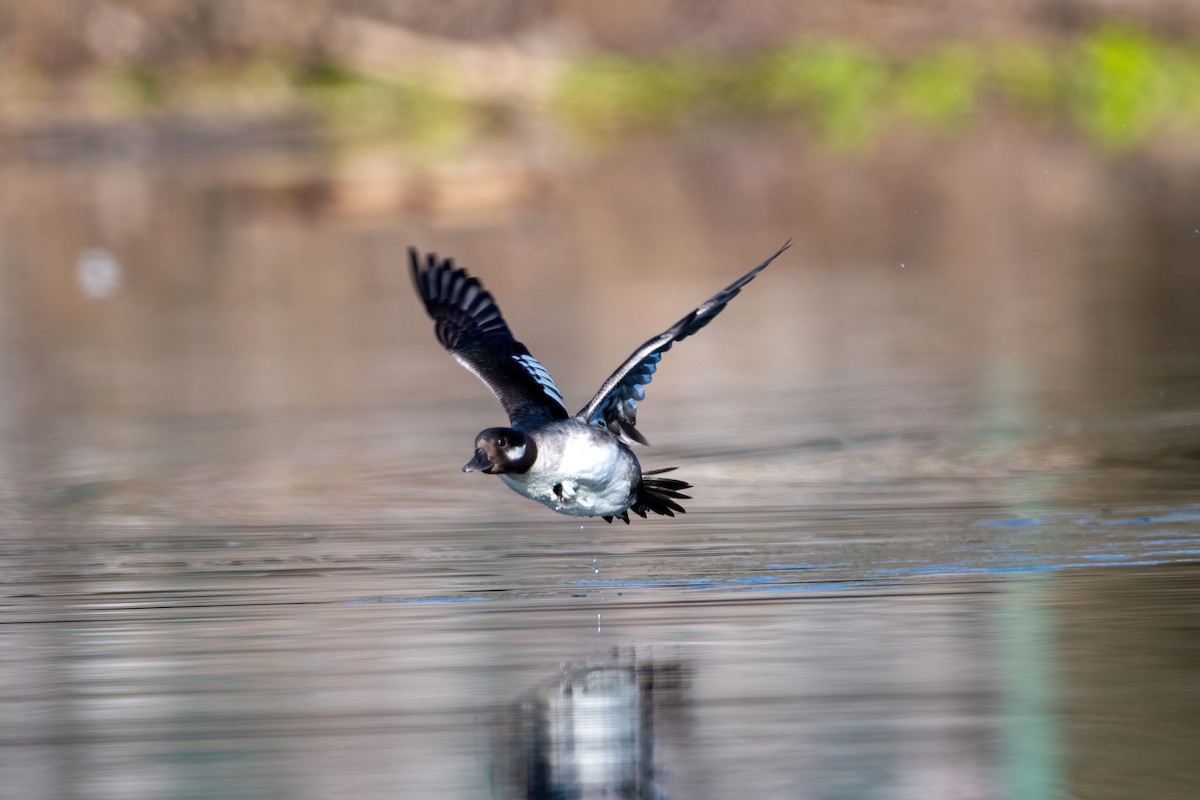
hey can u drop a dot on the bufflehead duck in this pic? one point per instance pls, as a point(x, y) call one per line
point(578, 465)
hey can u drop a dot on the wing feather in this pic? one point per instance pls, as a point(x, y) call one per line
point(615, 405)
point(468, 323)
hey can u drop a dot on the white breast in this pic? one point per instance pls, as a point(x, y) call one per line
point(580, 471)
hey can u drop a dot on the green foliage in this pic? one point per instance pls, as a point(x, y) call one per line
point(1125, 85)
point(839, 86)
point(1026, 74)
point(609, 93)
point(411, 109)
point(941, 88)
point(1117, 85)
point(325, 76)
point(138, 87)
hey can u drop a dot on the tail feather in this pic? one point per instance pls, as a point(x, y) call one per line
point(658, 495)
point(655, 495)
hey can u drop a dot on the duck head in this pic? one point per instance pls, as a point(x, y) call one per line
point(499, 450)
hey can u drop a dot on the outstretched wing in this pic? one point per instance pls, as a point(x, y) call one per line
point(469, 325)
point(615, 405)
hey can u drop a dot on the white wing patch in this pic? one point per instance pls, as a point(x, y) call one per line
point(541, 375)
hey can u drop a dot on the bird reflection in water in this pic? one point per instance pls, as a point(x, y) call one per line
point(596, 731)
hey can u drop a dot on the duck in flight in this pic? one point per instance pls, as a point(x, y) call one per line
point(579, 465)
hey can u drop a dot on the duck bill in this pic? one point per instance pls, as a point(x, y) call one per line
point(479, 463)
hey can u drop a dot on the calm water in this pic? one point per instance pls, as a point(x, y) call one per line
point(945, 541)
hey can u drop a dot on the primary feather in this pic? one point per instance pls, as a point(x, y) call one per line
point(615, 405)
point(468, 323)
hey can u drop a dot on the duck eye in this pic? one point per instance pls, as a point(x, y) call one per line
point(501, 441)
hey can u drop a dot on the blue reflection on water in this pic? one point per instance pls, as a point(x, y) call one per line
point(1024, 554)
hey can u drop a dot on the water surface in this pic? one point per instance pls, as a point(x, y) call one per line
point(945, 528)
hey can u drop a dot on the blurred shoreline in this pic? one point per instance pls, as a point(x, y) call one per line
point(107, 80)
